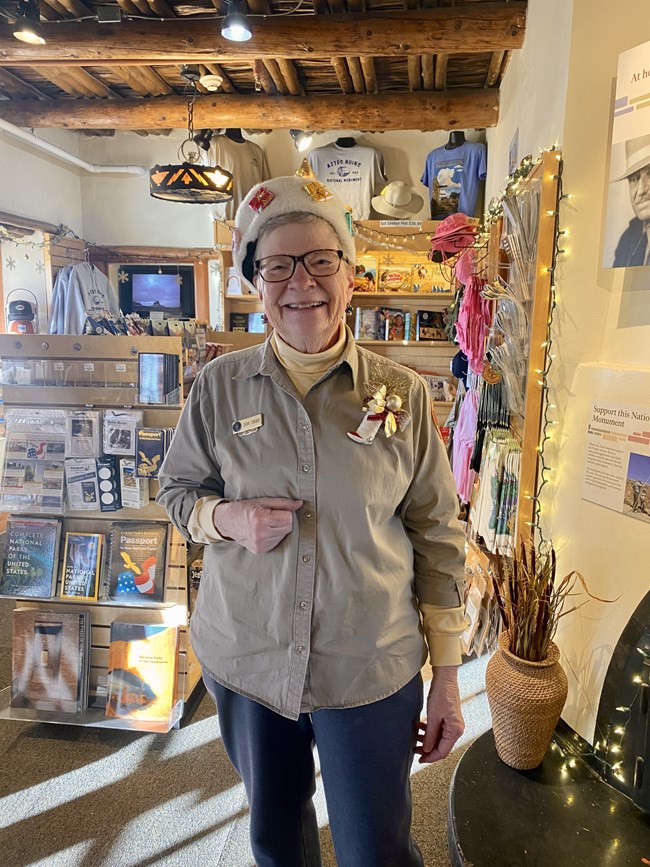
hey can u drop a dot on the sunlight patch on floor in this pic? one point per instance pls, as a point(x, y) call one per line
point(189, 737)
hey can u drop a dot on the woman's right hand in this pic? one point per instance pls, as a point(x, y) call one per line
point(259, 524)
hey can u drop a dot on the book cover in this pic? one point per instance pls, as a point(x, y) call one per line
point(142, 673)
point(82, 563)
point(427, 277)
point(136, 566)
point(31, 557)
point(394, 324)
point(150, 451)
point(151, 377)
point(368, 324)
point(430, 325)
point(50, 660)
point(134, 490)
point(365, 274)
point(394, 278)
point(440, 387)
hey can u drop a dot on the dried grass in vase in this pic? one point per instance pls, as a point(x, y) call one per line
point(530, 602)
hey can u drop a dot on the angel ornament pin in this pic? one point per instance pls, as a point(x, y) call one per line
point(384, 407)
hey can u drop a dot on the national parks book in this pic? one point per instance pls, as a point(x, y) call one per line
point(136, 562)
point(142, 673)
point(82, 563)
point(50, 660)
point(31, 557)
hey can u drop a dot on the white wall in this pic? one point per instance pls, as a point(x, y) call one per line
point(533, 91)
point(39, 186)
point(602, 350)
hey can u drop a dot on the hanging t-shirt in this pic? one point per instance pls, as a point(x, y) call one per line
point(452, 177)
point(247, 163)
point(355, 174)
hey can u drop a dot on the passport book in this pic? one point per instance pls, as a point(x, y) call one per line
point(136, 562)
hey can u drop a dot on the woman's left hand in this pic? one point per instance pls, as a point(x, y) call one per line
point(445, 723)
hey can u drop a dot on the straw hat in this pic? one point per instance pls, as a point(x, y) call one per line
point(637, 156)
point(397, 200)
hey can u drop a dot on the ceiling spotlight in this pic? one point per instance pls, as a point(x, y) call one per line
point(203, 139)
point(28, 27)
point(236, 26)
point(301, 139)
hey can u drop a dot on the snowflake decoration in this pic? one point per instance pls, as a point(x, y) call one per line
point(179, 279)
point(40, 267)
point(386, 260)
point(122, 276)
point(214, 268)
point(11, 263)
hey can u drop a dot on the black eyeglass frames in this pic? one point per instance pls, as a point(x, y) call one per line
point(317, 263)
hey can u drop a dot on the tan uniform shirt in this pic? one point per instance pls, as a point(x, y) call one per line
point(333, 610)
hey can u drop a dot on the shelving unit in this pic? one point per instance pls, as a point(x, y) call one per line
point(174, 610)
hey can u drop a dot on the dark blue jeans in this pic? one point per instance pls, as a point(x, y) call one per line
point(365, 758)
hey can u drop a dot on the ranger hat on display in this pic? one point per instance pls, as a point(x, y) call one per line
point(285, 196)
point(637, 156)
point(397, 200)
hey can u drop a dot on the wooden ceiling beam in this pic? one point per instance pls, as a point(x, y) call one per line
point(76, 9)
point(455, 109)
point(226, 84)
point(143, 80)
point(428, 77)
point(369, 74)
point(259, 7)
point(75, 81)
point(161, 9)
point(128, 7)
point(15, 88)
point(354, 65)
point(263, 76)
point(343, 74)
point(291, 77)
point(415, 72)
point(275, 73)
point(476, 27)
point(58, 9)
point(440, 78)
point(494, 68)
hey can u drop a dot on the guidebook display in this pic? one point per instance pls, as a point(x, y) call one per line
point(31, 557)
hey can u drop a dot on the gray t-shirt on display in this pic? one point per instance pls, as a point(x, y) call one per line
point(355, 174)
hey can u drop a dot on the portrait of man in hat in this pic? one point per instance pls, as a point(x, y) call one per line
point(633, 247)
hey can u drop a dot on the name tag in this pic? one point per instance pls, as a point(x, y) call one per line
point(245, 426)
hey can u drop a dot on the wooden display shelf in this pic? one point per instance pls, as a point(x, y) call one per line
point(406, 296)
point(403, 344)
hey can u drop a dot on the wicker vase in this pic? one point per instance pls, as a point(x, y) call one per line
point(526, 700)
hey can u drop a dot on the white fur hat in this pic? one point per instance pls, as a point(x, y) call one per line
point(286, 195)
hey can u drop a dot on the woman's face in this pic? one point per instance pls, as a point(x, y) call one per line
point(305, 311)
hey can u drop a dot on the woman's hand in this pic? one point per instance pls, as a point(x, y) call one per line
point(258, 524)
point(445, 723)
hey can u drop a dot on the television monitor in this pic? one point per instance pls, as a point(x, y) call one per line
point(168, 289)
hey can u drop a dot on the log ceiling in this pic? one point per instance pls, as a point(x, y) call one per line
point(317, 64)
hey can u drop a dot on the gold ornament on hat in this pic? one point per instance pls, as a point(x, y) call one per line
point(317, 191)
point(305, 170)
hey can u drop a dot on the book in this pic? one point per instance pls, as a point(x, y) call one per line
point(82, 562)
point(365, 274)
point(31, 557)
point(50, 660)
point(134, 490)
point(427, 277)
point(119, 431)
point(440, 387)
point(368, 324)
point(136, 563)
point(394, 324)
point(430, 325)
point(151, 377)
point(142, 673)
point(150, 444)
point(394, 278)
point(239, 321)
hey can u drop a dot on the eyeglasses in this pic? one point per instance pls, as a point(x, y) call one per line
point(317, 263)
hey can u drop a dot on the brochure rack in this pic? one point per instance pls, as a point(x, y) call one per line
point(110, 365)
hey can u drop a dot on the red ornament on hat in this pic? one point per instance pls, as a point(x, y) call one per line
point(261, 199)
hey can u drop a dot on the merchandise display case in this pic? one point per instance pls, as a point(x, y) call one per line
point(87, 375)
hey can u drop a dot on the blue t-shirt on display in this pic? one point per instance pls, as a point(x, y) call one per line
point(452, 177)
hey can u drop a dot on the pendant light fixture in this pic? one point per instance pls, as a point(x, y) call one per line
point(236, 26)
point(189, 180)
point(28, 27)
point(301, 139)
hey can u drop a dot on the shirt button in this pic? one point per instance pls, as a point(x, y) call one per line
point(305, 427)
point(306, 558)
point(303, 605)
point(307, 514)
point(300, 648)
point(305, 468)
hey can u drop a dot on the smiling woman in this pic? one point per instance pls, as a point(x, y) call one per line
point(325, 550)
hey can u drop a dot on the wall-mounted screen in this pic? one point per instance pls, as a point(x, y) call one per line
point(167, 289)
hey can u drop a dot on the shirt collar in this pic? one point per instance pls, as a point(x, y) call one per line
point(263, 360)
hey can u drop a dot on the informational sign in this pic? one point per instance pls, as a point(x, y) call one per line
point(400, 224)
point(617, 462)
point(628, 201)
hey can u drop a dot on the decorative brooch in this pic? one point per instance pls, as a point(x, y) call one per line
point(382, 407)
